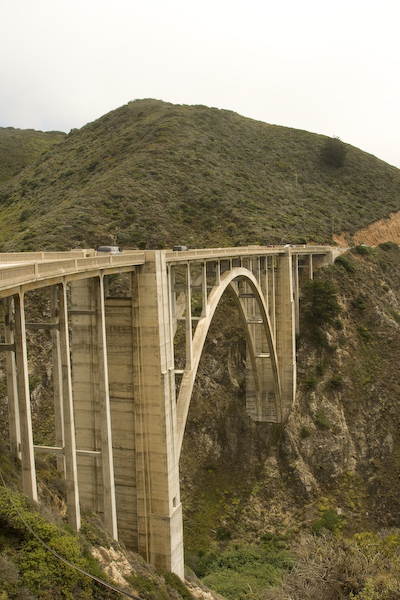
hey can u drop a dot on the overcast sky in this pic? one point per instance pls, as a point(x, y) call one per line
point(327, 67)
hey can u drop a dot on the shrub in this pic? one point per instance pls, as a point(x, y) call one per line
point(362, 250)
point(333, 568)
point(147, 588)
point(335, 382)
point(40, 572)
point(364, 333)
point(304, 431)
point(321, 419)
point(176, 583)
point(386, 246)
point(345, 262)
point(309, 382)
point(319, 306)
point(246, 569)
point(333, 152)
point(358, 302)
point(330, 521)
point(223, 533)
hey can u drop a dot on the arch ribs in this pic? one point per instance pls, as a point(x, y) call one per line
point(262, 288)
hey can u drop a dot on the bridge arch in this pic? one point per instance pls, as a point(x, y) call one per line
point(228, 282)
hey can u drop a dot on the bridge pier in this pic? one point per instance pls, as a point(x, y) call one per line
point(160, 529)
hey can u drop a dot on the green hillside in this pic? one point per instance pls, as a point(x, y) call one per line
point(151, 174)
point(19, 147)
point(324, 485)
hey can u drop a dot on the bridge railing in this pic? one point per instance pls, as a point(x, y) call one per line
point(207, 253)
point(18, 273)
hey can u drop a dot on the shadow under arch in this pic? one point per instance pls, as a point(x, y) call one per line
point(227, 281)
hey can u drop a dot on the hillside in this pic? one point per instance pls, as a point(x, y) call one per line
point(151, 174)
point(20, 147)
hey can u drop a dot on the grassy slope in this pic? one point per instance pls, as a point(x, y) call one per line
point(19, 147)
point(151, 174)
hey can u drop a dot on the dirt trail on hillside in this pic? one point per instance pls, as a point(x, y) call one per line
point(384, 230)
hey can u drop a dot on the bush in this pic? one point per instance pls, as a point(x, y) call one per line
point(386, 246)
point(358, 302)
point(247, 569)
point(364, 333)
point(40, 572)
point(330, 521)
point(305, 432)
point(362, 250)
point(333, 152)
point(344, 261)
point(319, 306)
point(309, 382)
point(333, 568)
point(321, 419)
point(335, 382)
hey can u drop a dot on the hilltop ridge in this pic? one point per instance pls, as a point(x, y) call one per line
point(150, 174)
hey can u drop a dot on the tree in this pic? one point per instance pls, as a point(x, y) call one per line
point(333, 152)
point(319, 306)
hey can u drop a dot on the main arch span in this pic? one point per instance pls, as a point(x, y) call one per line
point(123, 377)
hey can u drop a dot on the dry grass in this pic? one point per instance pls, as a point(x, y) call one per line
point(366, 567)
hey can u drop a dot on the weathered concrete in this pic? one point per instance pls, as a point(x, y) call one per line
point(119, 424)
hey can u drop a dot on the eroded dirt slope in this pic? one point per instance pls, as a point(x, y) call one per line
point(380, 231)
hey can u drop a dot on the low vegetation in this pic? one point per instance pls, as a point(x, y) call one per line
point(152, 174)
point(21, 147)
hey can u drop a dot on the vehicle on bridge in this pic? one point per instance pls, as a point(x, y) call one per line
point(109, 249)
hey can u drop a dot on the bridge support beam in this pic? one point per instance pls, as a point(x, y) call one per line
point(160, 530)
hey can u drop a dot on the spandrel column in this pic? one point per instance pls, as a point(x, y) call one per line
point(24, 402)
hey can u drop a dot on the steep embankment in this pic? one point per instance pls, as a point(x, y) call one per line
point(151, 174)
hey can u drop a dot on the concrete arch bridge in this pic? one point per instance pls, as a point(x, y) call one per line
point(120, 399)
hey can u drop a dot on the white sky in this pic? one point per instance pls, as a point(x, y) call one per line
point(326, 67)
